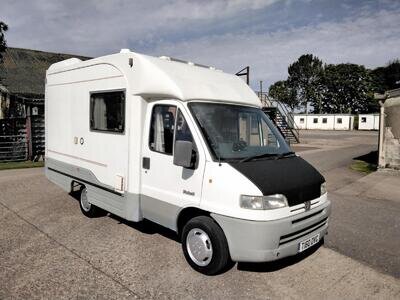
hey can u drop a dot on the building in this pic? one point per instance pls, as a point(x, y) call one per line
point(22, 76)
point(389, 134)
point(324, 121)
point(22, 82)
point(368, 122)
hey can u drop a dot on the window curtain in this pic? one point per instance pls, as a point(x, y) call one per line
point(100, 113)
point(159, 132)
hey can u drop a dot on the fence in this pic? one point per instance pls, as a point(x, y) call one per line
point(21, 138)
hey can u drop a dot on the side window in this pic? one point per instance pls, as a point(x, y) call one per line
point(339, 120)
point(325, 120)
point(183, 133)
point(363, 120)
point(182, 129)
point(107, 111)
point(315, 121)
point(301, 120)
point(162, 128)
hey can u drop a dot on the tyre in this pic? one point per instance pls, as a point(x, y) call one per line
point(204, 246)
point(88, 209)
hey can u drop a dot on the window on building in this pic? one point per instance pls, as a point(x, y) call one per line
point(363, 119)
point(301, 120)
point(315, 120)
point(162, 128)
point(107, 111)
point(339, 120)
point(324, 120)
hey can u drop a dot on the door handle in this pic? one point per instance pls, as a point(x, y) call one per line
point(146, 163)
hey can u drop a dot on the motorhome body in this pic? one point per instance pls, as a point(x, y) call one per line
point(185, 146)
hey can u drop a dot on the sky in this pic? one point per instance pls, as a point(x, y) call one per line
point(266, 35)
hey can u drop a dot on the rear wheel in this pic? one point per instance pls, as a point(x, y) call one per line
point(204, 246)
point(87, 208)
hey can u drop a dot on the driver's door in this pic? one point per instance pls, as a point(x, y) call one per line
point(165, 187)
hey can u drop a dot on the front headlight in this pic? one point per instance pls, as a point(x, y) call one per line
point(323, 188)
point(263, 202)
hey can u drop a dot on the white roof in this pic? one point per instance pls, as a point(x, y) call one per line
point(168, 78)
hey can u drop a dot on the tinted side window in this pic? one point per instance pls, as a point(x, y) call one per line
point(162, 128)
point(107, 111)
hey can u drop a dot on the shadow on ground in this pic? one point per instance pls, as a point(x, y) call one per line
point(371, 158)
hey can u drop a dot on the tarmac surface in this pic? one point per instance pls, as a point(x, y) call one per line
point(365, 221)
point(48, 249)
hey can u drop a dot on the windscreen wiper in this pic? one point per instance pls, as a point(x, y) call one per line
point(257, 156)
point(274, 155)
point(286, 154)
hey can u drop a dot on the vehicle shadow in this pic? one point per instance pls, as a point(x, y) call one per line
point(277, 265)
point(145, 226)
point(148, 227)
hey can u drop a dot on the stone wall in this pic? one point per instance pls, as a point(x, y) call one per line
point(391, 141)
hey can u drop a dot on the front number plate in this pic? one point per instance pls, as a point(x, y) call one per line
point(308, 243)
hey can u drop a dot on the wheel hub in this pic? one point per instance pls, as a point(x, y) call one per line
point(85, 201)
point(199, 247)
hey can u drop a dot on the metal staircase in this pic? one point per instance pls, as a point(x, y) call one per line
point(281, 116)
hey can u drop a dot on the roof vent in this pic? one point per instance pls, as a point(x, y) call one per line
point(190, 63)
point(165, 57)
point(125, 50)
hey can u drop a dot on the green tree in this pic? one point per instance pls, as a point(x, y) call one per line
point(305, 76)
point(282, 92)
point(3, 43)
point(386, 78)
point(347, 89)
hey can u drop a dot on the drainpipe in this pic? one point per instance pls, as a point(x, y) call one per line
point(381, 154)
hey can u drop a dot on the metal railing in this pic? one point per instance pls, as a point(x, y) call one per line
point(13, 148)
point(21, 138)
point(285, 114)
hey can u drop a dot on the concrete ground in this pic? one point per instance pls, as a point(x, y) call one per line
point(48, 249)
point(365, 221)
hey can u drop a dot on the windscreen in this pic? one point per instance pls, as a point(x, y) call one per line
point(236, 132)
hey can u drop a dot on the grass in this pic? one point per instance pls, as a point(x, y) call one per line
point(362, 166)
point(21, 165)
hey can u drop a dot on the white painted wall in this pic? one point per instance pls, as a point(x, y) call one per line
point(368, 121)
point(376, 121)
point(324, 121)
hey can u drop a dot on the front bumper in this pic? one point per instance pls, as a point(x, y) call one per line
point(260, 241)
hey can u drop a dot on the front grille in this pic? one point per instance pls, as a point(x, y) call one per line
point(302, 232)
point(307, 217)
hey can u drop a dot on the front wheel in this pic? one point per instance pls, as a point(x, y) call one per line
point(205, 246)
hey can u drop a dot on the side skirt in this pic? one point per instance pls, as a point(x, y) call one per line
point(125, 205)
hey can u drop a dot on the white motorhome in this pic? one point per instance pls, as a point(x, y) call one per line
point(185, 146)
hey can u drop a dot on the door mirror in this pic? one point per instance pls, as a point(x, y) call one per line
point(183, 154)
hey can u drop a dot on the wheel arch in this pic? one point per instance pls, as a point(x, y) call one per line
point(186, 214)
